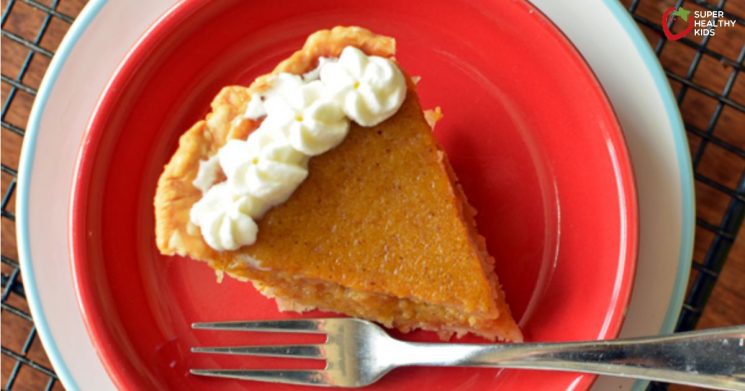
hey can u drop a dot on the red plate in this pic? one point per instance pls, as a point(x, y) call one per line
point(527, 128)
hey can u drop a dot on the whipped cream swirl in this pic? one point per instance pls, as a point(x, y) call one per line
point(303, 116)
point(310, 117)
point(225, 218)
point(264, 166)
point(370, 88)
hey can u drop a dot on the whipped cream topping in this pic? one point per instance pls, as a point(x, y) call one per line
point(224, 218)
point(303, 116)
point(265, 167)
point(312, 120)
point(255, 108)
point(315, 74)
point(207, 174)
point(370, 88)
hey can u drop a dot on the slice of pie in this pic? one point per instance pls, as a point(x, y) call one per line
point(380, 229)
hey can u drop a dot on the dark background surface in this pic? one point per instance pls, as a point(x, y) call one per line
point(705, 75)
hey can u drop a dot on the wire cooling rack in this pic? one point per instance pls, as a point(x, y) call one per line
point(707, 107)
point(25, 54)
point(705, 128)
point(709, 268)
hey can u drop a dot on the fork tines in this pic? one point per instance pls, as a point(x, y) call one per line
point(300, 351)
point(286, 326)
point(311, 351)
point(304, 377)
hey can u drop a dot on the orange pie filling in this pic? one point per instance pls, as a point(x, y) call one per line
point(379, 229)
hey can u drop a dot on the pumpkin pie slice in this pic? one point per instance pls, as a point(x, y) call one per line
point(380, 229)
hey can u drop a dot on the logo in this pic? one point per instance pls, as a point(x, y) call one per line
point(702, 23)
point(668, 18)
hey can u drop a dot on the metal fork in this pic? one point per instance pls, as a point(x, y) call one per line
point(359, 353)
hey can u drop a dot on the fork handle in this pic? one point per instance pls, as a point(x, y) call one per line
point(713, 358)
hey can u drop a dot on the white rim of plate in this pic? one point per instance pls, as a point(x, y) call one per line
point(25, 166)
point(92, 9)
point(681, 151)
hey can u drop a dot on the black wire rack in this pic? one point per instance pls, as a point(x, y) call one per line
point(726, 231)
point(706, 270)
point(13, 295)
